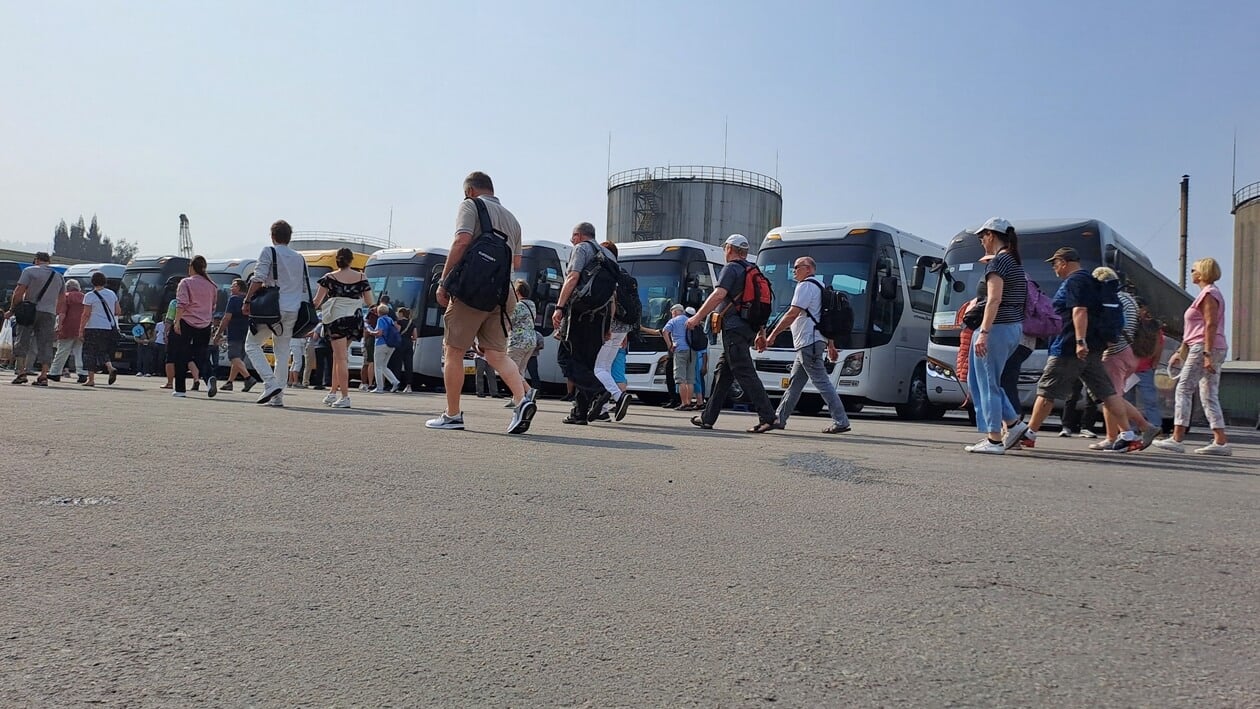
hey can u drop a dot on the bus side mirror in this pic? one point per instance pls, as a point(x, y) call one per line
point(921, 267)
point(888, 287)
point(1112, 256)
point(695, 297)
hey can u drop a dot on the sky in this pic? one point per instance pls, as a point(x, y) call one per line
point(930, 116)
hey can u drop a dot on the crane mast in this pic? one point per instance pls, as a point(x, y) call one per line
point(185, 237)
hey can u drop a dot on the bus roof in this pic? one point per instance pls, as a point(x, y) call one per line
point(404, 254)
point(563, 250)
point(111, 270)
point(1035, 227)
point(152, 261)
point(839, 230)
point(230, 265)
point(646, 249)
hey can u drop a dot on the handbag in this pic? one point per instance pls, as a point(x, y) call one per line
point(264, 306)
point(974, 316)
point(24, 313)
point(307, 316)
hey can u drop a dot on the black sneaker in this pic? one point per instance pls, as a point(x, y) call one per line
point(623, 405)
point(833, 428)
point(249, 384)
point(212, 387)
point(602, 416)
point(227, 386)
point(55, 377)
point(82, 378)
point(571, 419)
point(113, 377)
point(196, 385)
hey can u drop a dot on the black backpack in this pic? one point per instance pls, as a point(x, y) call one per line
point(697, 339)
point(483, 276)
point(597, 283)
point(629, 307)
point(835, 321)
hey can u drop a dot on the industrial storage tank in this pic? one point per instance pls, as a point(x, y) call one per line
point(692, 202)
point(1245, 342)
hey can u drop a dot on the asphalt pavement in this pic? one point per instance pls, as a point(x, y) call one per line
point(164, 552)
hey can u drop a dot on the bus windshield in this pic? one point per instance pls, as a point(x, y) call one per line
point(403, 283)
point(845, 267)
point(142, 293)
point(224, 282)
point(660, 283)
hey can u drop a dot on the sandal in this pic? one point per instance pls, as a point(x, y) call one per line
point(696, 421)
point(762, 428)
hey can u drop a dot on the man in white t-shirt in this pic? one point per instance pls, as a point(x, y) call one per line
point(811, 348)
point(290, 276)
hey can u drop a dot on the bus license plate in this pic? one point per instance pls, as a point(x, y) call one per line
point(784, 382)
point(470, 371)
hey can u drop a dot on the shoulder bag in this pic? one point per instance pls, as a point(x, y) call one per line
point(307, 316)
point(24, 312)
point(264, 306)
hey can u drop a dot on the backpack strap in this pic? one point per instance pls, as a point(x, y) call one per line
point(47, 283)
point(821, 292)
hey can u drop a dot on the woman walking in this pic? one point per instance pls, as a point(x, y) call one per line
point(340, 297)
point(194, 315)
point(405, 354)
point(1201, 355)
point(524, 338)
point(100, 330)
point(69, 329)
point(387, 338)
point(1003, 292)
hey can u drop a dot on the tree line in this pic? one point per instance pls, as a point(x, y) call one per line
point(89, 243)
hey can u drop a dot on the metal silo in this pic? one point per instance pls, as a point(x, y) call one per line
point(1245, 343)
point(692, 202)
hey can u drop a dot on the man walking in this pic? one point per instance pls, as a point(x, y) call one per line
point(291, 280)
point(737, 338)
point(33, 341)
point(466, 324)
point(236, 327)
point(810, 345)
point(585, 332)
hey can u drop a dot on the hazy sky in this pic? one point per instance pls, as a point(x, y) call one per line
point(930, 116)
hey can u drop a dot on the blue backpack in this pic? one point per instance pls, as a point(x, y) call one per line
point(1106, 316)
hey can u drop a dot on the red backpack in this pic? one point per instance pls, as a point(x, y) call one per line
point(755, 299)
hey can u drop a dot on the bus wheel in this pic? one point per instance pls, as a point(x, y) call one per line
point(852, 404)
point(918, 407)
point(651, 398)
point(809, 405)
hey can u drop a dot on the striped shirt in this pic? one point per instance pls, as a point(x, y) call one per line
point(1130, 308)
point(1014, 288)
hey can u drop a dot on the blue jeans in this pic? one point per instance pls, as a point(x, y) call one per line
point(985, 377)
point(1145, 396)
point(810, 366)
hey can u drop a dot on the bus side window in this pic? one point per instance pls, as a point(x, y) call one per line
point(923, 299)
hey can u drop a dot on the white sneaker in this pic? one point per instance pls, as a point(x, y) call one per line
point(342, 403)
point(1086, 433)
point(987, 446)
point(453, 423)
point(277, 402)
point(179, 395)
point(1169, 444)
point(1013, 435)
point(1215, 448)
point(330, 399)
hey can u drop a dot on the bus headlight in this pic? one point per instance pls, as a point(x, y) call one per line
point(852, 365)
point(940, 370)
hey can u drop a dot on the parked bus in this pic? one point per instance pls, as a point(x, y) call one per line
point(321, 263)
point(223, 272)
point(83, 274)
point(669, 271)
point(147, 287)
point(885, 360)
point(410, 278)
point(956, 278)
point(10, 271)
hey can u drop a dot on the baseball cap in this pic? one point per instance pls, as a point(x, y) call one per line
point(42, 256)
point(675, 307)
point(1067, 253)
point(739, 241)
point(690, 311)
point(997, 224)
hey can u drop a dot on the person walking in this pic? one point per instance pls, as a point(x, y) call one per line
point(100, 330)
point(44, 288)
point(1003, 292)
point(341, 295)
point(738, 337)
point(194, 316)
point(812, 348)
point(523, 340)
point(674, 332)
point(290, 279)
point(612, 401)
point(584, 332)
point(1202, 352)
point(387, 337)
point(367, 372)
point(480, 217)
point(405, 353)
point(235, 327)
point(321, 378)
point(70, 314)
point(1120, 363)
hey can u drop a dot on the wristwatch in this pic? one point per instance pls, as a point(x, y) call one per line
point(562, 308)
point(1079, 341)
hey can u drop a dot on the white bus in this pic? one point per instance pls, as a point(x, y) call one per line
point(670, 271)
point(410, 277)
point(885, 360)
point(1097, 244)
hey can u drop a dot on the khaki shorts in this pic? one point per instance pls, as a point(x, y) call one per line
point(684, 361)
point(465, 324)
point(1061, 373)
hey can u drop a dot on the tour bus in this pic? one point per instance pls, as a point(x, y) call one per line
point(10, 271)
point(410, 278)
point(668, 272)
point(83, 274)
point(884, 360)
point(148, 286)
point(956, 279)
point(543, 266)
point(322, 262)
point(223, 272)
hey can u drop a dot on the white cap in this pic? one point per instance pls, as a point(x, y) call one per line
point(676, 307)
point(997, 224)
point(739, 241)
point(690, 311)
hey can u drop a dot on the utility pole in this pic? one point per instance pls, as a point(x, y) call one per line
point(1185, 223)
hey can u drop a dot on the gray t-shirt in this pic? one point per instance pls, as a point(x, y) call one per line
point(584, 252)
point(808, 297)
point(467, 221)
point(34, 278)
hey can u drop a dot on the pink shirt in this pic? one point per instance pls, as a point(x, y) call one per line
point(196, 297)
point(1196, 326)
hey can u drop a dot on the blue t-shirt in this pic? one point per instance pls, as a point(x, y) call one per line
point(238, 326)
point(383, 322)
point(1076, 291)
point(677, 329)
